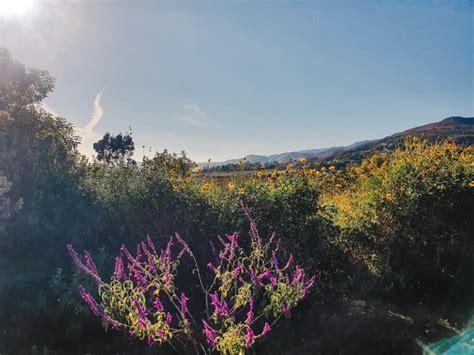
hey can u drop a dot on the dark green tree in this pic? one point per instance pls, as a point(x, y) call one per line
point(114, 150)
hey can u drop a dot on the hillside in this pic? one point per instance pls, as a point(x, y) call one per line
point(459, 129)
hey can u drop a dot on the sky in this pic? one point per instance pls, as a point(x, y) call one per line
point(223, 79)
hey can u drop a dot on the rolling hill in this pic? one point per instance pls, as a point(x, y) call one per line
point(459, 129)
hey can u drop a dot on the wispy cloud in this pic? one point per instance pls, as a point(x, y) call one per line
point(88, 135)
point(97, 114)
point(193, 115)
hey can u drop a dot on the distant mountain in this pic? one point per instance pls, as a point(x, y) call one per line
point(458, 129)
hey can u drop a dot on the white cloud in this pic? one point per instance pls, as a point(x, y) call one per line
point(193, 115)
point(89, 137)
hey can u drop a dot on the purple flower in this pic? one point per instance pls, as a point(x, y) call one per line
point(233, 238)
point(212, 267)
point(90, 269)
point(118, 273)
point(90, 262)
point(151, 263)
point(184, 244)
point(250, 316)
point(158, 305)
point(142, 323)
point(210, 334)
point(289, 263)
point(169, 318)
point(160, 333)
point(139, 252)
point(150, 243)
point(268, 275)
point(142, 312)
point(266, 330)
point(150, 340)
point(184, 304)
point(91, 302)
point(285, 309)
point(237, 271)
point(253, 276)
point(221, 308)
point(249, 337)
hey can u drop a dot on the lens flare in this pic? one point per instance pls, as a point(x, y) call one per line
point(15, 7)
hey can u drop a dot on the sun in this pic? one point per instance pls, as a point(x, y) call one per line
point(15, 7)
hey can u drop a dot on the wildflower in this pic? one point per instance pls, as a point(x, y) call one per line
point(303, 160)
point(91, 302)
point(89, 268)
point(160, 333)
point(266, 330)
point(90, 262)
point(212, 267)
point(118, 273)
point(241, 191)
point(237, 271)
point(142, 312)
point(231, 186)
point(332, 168)
point(250, 313)
point(150, 243)
point(249, 337)
point(169, 318)
point(184, 244)
point(210, 334)
point(158, 305)
point(221, 308)
point(184, 304)
point(323, 169)
point(471, 184)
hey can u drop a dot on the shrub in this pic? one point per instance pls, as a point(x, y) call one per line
point(247, 285)
point(406, 216)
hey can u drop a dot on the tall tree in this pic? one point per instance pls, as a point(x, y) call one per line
point(115, 149)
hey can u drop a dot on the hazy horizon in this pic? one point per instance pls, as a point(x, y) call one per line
point(224, 80)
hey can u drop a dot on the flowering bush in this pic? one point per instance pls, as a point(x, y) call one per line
point(249, 284)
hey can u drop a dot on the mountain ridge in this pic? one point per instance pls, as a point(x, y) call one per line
point(459, 129)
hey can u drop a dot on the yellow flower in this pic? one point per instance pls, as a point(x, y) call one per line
point(471, 184)
point(303, 160)
point(241, 191)
point(260, 174)
point(231, 186)
point(332, 168)
point(289, 166)
point(207, 186)
point(323, 168)
point(318, 173)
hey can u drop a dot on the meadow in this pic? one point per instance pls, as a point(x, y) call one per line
point(388, 241)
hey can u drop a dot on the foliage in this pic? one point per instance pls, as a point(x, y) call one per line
point(116, 149)
point(403, 215)
point(142, 292)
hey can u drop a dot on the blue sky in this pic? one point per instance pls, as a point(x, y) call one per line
point(223, 79)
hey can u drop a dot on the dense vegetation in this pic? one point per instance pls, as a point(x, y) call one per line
point(391, 236)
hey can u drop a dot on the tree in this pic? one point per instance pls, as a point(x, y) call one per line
point(21, 87)
point(114, 150)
